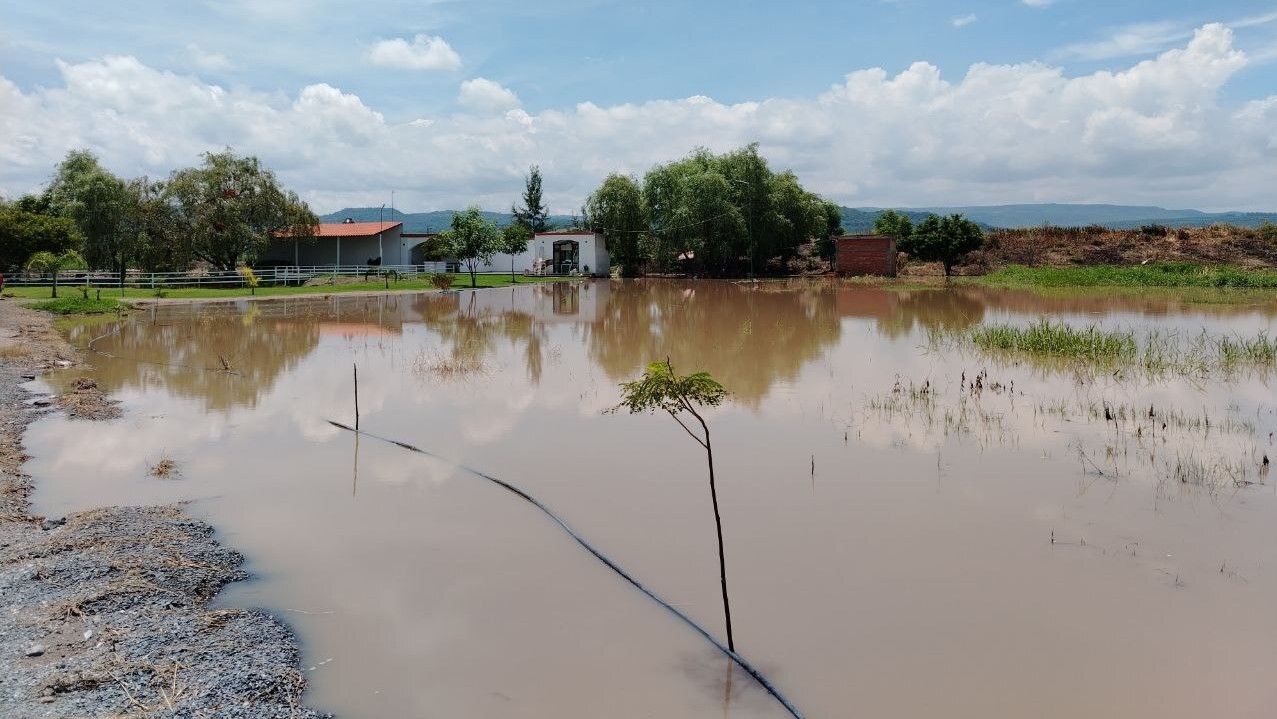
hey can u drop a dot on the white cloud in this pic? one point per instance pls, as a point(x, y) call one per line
point(1138, 39)
point(425, 52)
point(206, 60)
point(1038, 3)
point(1153, 133)
point(485, 95)
point(964, 20)
point(1254, 20)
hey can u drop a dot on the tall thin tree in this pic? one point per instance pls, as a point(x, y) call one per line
point(533, 213)
point(661, 390)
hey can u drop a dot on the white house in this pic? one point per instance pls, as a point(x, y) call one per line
point(562, 252)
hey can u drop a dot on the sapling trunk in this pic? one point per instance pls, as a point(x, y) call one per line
point(661, 389)
point(718, 527)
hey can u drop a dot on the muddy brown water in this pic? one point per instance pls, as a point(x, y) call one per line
point(890, 553)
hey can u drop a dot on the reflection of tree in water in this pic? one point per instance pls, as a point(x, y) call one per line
point(470, 332)
point(747, 339)
point(225, 360)
point(950, 309)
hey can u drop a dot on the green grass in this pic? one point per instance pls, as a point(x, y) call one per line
point(77, 306)
point(1155, 352)
point(1175, 274)
point(1053, 339)
point(461, 282)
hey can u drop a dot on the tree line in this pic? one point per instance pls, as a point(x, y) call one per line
point(709, 214)
point(222, 212)
point(717, 214)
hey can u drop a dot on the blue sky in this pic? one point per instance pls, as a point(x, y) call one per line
point(407, 72)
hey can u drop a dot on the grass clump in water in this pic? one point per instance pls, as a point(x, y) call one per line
point(1170, 274)
point(1154, 352)
point(78, 306)
point(1055, 339)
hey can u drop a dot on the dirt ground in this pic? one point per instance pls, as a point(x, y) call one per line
point(105, 612)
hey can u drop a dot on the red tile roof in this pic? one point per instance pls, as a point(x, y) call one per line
point(355, 229)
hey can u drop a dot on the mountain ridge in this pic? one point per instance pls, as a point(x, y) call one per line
point(861, 219)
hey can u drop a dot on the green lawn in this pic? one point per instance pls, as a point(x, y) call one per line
point(461, 282)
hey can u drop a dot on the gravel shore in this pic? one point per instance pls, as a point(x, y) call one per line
point(105, 613)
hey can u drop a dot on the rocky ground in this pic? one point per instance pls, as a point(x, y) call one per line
point(105, 613)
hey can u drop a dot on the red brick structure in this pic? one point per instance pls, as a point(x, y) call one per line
point(866, 255)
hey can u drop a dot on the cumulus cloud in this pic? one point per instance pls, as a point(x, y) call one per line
point(1154, 132)
point(964, 20)
point(484, 95)
point(425, 52)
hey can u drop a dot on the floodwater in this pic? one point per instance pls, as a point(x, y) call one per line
point(898, 543)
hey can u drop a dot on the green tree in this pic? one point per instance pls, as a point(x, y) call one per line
point(154, 228)
point(472, 240)
point(795, 216)
point(661, 390)
point(943, 239)
point(616, 209)
point(24, 233)
point(825, 246)
point(894, 224)
point(229, 207)
point(533, 213)
point(53, 264)
point(728, 208)
point(513, 241)
point(98, 202)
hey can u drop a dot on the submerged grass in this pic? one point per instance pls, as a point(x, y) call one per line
point(1172, 274)
point(1056, 340)
point(1154, 351)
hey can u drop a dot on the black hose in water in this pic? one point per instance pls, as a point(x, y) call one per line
point(602, 558)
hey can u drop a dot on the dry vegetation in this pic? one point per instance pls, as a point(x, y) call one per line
point(1242, 247)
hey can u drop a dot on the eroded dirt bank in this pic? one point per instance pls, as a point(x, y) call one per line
point(105, 613)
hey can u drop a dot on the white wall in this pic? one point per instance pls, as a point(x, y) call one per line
point(592, 253)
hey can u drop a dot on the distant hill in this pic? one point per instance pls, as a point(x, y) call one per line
point(1113, 216)
point(436, 221)
point(861, 219)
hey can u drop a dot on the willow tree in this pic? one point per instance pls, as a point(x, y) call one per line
point(230, 206)
point(616, 209)
point(660, 389)
point(99, 204)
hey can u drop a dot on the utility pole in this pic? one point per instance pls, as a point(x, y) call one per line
point(381, 226)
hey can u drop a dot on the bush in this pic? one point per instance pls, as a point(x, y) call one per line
point(1268, 231)
point(441, 281)
point(1155, 230)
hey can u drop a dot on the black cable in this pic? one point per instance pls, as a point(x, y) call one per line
point(602, 558)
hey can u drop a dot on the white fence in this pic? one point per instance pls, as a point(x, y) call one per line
point(266, 276)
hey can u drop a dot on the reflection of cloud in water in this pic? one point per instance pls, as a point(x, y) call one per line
point(882, 525)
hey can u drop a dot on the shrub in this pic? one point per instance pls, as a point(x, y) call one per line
point(441, 280)
point(1155, 230)
point(250, 278)
point(1268, 231)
